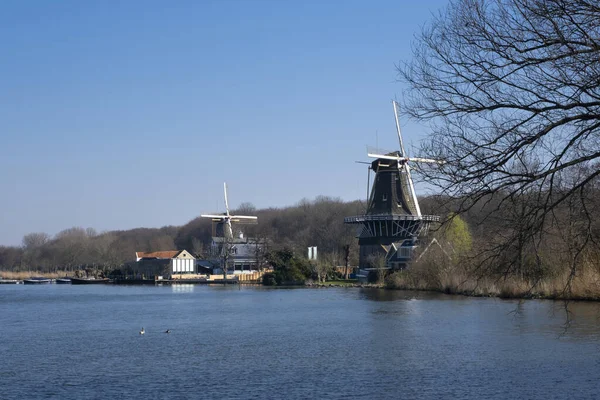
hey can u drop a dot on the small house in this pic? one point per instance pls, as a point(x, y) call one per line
point(169, 262)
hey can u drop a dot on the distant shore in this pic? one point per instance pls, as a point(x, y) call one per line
point(581, 289)
point(30, 274)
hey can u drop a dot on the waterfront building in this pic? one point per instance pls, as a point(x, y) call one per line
point(161, 263)
point(244, 257)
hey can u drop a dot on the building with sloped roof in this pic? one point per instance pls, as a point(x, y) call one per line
point(245, 254)
point(160, 263)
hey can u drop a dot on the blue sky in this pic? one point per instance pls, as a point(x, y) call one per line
point(116, 115)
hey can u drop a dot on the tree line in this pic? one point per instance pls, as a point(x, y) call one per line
point(487, 241)
point(317, 222)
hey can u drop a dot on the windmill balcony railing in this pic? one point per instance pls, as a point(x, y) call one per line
point(390, 217)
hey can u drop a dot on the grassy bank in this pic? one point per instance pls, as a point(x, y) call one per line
point(30, 274)
point(585, 285)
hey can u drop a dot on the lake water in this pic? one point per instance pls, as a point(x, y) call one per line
point(82, 342)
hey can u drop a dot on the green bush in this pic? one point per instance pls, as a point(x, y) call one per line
point(269, 280)
point(288, 268)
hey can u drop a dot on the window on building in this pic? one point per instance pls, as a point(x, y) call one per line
point(405, 252)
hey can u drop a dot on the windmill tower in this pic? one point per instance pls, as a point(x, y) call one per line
point(223, 237)
point(393, 220)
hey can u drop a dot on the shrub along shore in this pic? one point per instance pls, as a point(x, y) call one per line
point(583, 286)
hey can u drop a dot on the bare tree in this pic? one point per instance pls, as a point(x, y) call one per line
point(71, 248)
point(32, 249)
point(511, 89)
point(10, 257)
point(36, 239)
point(91, 232)
point(378, 263)
point(104, 250)
point(346, 260)
point(197, 247)
point(324, 265)
point(226, 254)
point(245, 208)
point(260, 250)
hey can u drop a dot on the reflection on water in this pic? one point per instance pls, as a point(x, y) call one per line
point(182, 287)
point(573, 318)
point(568, 320)
point(395, 295)
point(72, 342)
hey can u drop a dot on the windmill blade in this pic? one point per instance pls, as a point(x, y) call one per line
point(245, 221)
point(425, 160)
point(213, 216)
point(385, 157)
point(396, 106)
point(242, 217)
point(396, 158)
point(413, 194)
point(226, 202)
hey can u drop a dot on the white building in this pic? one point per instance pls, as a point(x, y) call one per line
point(179, 261)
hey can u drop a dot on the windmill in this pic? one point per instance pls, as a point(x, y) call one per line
point(393, 220)
point(226, 219)
point(224, 233)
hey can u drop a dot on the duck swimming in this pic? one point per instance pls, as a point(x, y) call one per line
point(168, 331)
point(142, 331)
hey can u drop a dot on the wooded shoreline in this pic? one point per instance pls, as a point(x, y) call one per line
point(466, 258)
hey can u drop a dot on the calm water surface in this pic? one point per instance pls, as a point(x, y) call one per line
point(82, 342)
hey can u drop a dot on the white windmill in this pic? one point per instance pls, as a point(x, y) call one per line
point(226, 219)
point(224, 245)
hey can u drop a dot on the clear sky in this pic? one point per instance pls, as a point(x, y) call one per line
point(124, 114)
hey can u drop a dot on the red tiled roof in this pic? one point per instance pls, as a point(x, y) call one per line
point(157, 254)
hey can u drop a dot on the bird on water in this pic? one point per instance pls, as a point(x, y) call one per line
point(142, 331)
point(168, 331)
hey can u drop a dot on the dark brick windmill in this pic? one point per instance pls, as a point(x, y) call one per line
point(393, 221)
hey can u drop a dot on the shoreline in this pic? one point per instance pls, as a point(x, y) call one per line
point(534, 296)
point(516, 292)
